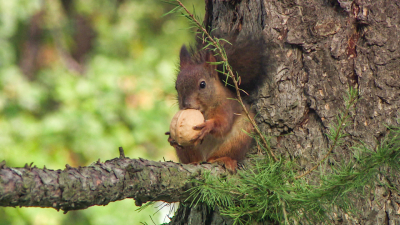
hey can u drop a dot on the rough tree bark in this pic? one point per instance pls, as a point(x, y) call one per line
point(100, 183)
point(317, 49)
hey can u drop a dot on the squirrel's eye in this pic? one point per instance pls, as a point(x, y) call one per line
point(202, 84)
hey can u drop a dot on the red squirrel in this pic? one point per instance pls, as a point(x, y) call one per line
point(224, 135)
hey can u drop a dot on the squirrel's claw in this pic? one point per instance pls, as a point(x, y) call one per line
point(229, 163)
point(200, 126)
point(205, 129)
point(172, 142)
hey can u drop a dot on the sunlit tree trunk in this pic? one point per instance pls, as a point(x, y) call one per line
point(317, 49)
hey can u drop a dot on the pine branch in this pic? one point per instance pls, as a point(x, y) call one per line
point(269, 191)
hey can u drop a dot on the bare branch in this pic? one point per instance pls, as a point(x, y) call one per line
point(99, 183)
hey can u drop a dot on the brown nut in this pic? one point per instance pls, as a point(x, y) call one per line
point(182, 124)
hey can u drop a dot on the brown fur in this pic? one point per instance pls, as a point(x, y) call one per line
point(221, 138)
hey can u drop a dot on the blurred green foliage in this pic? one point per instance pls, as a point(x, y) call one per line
point(78, 79)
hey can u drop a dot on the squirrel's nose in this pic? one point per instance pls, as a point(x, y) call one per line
point(187, 105)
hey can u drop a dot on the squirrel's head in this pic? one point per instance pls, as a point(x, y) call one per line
point(197, 83)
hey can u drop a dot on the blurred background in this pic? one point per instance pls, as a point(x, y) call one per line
point(78, 79)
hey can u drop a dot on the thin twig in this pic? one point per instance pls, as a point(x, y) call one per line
point(284, 210)
point(232, 76)
point(121, 153)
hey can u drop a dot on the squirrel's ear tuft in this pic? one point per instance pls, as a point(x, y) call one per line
point(210, 63)
point(210, 57)
point(184, 56)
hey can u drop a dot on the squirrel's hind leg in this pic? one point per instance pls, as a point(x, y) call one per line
point(229, 163)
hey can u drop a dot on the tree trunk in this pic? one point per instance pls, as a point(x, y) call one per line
point(317, 49)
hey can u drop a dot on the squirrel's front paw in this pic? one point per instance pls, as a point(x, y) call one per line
point(172, 142)
point(205, 129)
